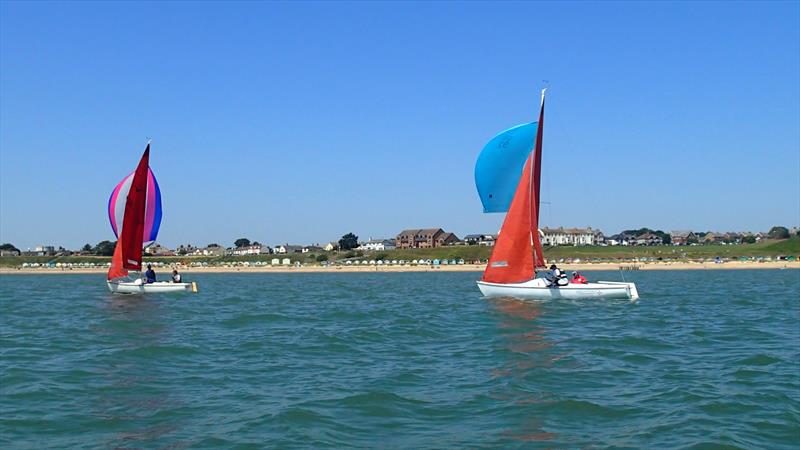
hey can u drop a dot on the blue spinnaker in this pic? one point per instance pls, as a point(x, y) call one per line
point(499, 166)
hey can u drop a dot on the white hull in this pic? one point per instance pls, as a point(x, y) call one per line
point(538, 289)
point(137, 287)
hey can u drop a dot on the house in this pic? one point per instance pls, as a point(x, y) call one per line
point(286, 248)
point(378, 245)
point(311, 249)
point(156, 249)
point(331, 246)
point(487, 240)
point(447, 239)
point(251, 250)
point(683, 237)
point(568, 236)
point(423, 238)
point(187, 249)
point(9, 253)
point(473, 239)
point(649, 239)
point(214, 250)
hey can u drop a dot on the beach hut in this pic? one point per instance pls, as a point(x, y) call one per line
point(275, 261)
point(286, 261)
point(435, 262)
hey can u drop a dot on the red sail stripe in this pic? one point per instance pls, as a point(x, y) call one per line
point(512, 258)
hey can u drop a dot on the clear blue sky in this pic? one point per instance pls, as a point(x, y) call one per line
point(299, 122)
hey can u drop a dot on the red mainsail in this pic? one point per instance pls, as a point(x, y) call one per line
point(128, 252)
point(518, 249)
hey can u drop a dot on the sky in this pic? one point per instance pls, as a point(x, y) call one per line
point(299, 122)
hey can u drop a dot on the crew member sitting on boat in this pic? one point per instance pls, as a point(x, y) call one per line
point(577, 278)
point(150, 275)
point(176, 277)
point(556, 277)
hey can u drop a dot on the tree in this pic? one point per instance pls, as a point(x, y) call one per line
point(750, 239)
point(256, 243)
point(104, 248)
point(8, 247)
point(241, 242)
point(348, 241)
point(86, 248)
point(778, 233)
point(321, 258)
point(213, 245)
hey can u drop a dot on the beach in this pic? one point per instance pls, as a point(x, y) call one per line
point(418, 268)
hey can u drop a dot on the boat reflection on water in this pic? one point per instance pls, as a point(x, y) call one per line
point(134, 334)
point(521, 338)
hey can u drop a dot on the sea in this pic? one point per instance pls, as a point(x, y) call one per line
point(705, 359)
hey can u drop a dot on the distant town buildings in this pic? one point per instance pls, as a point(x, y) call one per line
point(425, 238)
point(429, 238)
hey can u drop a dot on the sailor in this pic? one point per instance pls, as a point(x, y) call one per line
point(553, 276)
point(150, 275)
point(577, 278)
point(176, 277)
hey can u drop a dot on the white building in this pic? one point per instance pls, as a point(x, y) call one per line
point(569, 236)
point(251, 250)
point(378, 245)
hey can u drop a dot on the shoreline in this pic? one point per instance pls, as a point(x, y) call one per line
point(397, 269)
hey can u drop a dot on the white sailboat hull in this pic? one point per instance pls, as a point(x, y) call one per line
point(137, 287)
point(538, 289)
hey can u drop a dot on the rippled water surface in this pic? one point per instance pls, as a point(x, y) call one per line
point(400, 360)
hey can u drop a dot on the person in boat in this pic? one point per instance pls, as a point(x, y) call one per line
point(577, 278)
point(554, 276)
point(150, 275)
point(176, 277)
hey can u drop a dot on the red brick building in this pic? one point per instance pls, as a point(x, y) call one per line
point(425, 238)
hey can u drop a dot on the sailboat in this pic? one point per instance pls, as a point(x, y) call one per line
point(134, 210)
point(517, 253)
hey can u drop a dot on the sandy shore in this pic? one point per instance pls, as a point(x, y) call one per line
point(448, 268)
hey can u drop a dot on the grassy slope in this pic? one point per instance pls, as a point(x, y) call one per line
point(785, 247)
